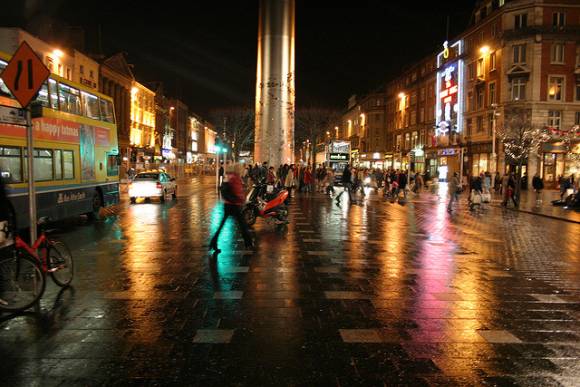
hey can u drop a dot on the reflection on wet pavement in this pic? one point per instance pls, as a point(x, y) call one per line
point(374, 293)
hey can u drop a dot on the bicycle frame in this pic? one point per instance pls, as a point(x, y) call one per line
point(19, 244)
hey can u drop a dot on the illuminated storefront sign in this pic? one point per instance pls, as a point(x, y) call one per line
point(449, 91)
point(338, 156)
point(340, 147)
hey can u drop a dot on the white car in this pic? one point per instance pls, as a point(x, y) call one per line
point(152, 184)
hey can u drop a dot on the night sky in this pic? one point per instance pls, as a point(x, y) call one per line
point(205, 52)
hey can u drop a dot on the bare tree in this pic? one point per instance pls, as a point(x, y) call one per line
point(520, 140)
point(312, 123)
point(238, 123)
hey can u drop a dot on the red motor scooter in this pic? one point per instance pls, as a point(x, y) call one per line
point(268, 205)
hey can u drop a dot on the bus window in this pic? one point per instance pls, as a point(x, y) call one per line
point(42, 96)
point(70, 99)
point(58, 164)
point(52, 86)
point(112, 165)
point(68, 165)
point(11, 164)
point(43, 163)
point(3, 89)
point(107, 111)
point(90, 106)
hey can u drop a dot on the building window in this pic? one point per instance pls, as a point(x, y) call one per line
point(413, 117)
point(479, 125)
point(82, 70)
point(518, 89)
point(557, 53)
point(492, 61)
point(519, 53)
point(493, 30)
point(480, 98)
point(577, 90)
point(577, 118)
point(470, 101)
point(480, 68)
point(558, 19)
point(422, 94)
point(520, 21)
point(555, 85)
point(469, 126)
point(422, 115)
point(399, 142)
point(407, 140)
point(470, 71)
point(413, 98)
point(554, 117)
point(492, 93)
point(577, 56)
point(414, 140)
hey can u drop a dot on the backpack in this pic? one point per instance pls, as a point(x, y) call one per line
point(227, 192)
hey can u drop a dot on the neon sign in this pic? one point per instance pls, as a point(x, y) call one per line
point(449, 91)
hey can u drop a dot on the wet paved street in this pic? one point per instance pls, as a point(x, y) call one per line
point(369, 294)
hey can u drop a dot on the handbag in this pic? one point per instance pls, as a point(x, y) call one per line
point(486, 197)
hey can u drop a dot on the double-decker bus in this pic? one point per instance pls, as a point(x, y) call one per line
point(76, 157)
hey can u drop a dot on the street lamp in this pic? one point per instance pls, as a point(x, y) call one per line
point(484, 50)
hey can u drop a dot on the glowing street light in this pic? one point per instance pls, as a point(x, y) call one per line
point(484, 50)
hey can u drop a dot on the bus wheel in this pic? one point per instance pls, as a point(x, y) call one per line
point(133, 200)
point(97, 205)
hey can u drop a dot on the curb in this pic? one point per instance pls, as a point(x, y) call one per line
point(540, 214)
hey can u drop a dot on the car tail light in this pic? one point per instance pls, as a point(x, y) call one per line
point(159, 186)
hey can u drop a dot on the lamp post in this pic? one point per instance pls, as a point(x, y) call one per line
point(493, 153)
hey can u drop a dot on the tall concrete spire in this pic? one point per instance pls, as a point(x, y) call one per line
point(274, 135)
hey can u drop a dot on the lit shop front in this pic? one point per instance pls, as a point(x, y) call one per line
point(372, 160)
point(557, 161)
point(444, 162)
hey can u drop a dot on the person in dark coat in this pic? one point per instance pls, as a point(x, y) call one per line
point(538, 186)
point(403, 183)
point(346, 183)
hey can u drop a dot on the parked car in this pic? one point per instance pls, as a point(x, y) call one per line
point(152, 184)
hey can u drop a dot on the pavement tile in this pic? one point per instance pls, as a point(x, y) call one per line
point(213, 336)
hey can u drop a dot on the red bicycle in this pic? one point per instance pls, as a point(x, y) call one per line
point(23, 270)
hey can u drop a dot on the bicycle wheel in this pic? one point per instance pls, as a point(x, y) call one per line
point(60, 263)
point(22, 282)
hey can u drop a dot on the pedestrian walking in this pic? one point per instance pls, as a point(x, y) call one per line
point(453, 191)
point(289, 180)
point(346, 183)
point(403, 183)
point(233, 195)
point(538, 185)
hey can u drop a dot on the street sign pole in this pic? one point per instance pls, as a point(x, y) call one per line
point(31, 188)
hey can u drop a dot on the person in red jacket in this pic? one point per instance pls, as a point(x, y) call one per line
point(233, 202)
